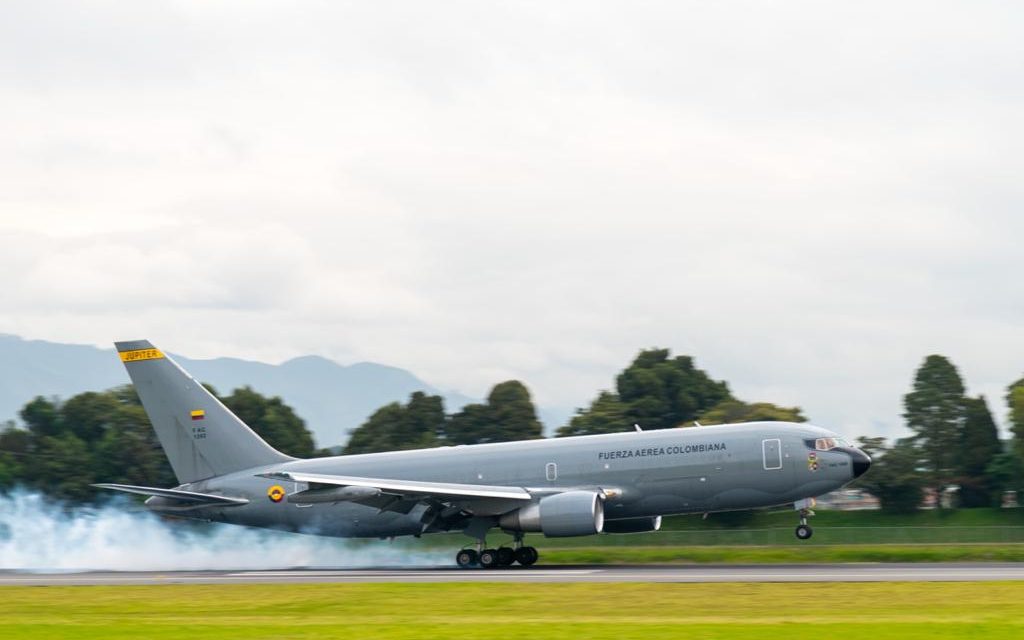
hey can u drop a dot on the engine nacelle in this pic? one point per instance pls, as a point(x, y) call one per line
point(573, 513)
point(632, 525)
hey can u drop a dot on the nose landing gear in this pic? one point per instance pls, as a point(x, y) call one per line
point(803, 530)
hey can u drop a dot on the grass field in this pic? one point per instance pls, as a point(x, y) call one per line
point(907, 611)
point(961, 526)
point(980, 517)
point(831, 528)
point(664, 554)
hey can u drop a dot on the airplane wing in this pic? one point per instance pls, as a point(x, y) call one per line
point(175, 494)
point(409, 489)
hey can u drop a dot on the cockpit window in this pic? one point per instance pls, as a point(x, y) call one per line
point(826, 444)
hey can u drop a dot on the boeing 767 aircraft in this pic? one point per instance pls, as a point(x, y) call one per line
point(579, 486)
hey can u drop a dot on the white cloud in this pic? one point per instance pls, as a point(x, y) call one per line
point(807, 197)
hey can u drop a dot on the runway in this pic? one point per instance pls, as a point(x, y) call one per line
point(939, 572)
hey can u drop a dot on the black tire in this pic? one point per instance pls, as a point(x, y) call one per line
point(526, 556)
point(488, 558)
point(506, 556)
point(804, 532)
point(466, 558)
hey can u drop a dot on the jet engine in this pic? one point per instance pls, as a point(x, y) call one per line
point(573, 513)
point(632, 525)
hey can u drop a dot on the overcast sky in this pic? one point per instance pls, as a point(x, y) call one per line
point(808, 197)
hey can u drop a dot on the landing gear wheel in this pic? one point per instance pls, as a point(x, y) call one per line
point(526, 556)
point(804, 532)
point(506, 556)
point(466, 558)
point(488, 558)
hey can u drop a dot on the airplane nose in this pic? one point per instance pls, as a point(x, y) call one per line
point(861, 462)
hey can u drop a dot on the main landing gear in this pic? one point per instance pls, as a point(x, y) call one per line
point(466, 558)
point(500, 557)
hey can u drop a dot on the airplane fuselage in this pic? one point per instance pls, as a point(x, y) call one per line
point(639, 474)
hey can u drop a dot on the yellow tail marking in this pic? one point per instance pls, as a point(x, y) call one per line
point(141, 354)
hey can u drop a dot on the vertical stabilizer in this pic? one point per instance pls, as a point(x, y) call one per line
point(199, 435)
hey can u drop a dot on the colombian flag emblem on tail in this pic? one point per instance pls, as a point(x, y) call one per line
point(198, 414)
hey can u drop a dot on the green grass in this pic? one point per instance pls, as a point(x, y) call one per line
point(868, 518)
point(962, 526)
point(663, 554)
point(880, 611)
point(831, 528)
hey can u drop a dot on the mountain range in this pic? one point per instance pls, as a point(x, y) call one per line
point(332, 398)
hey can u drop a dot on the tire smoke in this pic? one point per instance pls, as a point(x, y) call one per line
point(37, 534)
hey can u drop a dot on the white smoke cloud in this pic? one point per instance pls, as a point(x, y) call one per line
point(37, 534)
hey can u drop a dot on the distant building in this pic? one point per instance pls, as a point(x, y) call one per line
point(848, 500)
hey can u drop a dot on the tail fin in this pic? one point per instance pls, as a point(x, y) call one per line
point(199, 435)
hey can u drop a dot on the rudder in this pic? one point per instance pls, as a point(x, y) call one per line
point(199, 435)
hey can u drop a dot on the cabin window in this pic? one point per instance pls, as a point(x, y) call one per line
point(551, 471)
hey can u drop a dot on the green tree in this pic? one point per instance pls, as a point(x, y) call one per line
point(273, 420)
point(512, 413)
point(93, 436)
point(1015, 402)
point(655, 391)
point(1006, 472)
point(935, 410)
point(394, 426)
point(466, 426)
point(129, 452)
point(662, 392)
point(63, 467)
point(106, 436)
point(508, 415)
point(424, 419)
point(871, 445)
point(734, 411)
point(15, 449)
point(41, 417)
point(606, 414)
point(895, 477)
point(979, 446)
point(378, 432)
point(89, 414)
point(1007, 469)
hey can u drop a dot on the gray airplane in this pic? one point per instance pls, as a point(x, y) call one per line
point(579, 486)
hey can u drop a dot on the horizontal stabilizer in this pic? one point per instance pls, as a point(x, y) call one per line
point(408, 487)
point(175, 494)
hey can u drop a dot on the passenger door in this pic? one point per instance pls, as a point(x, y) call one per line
point(771, 454)
point(776, 471)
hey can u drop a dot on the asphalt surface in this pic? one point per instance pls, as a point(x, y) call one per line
point(940, 572)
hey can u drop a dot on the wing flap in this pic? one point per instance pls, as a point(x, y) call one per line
point(174, 494)
point(409, 488)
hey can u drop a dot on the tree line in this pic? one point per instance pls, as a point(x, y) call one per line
point(954, 444)
point(61, 447)
point(508, 414)
point(656, 391)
